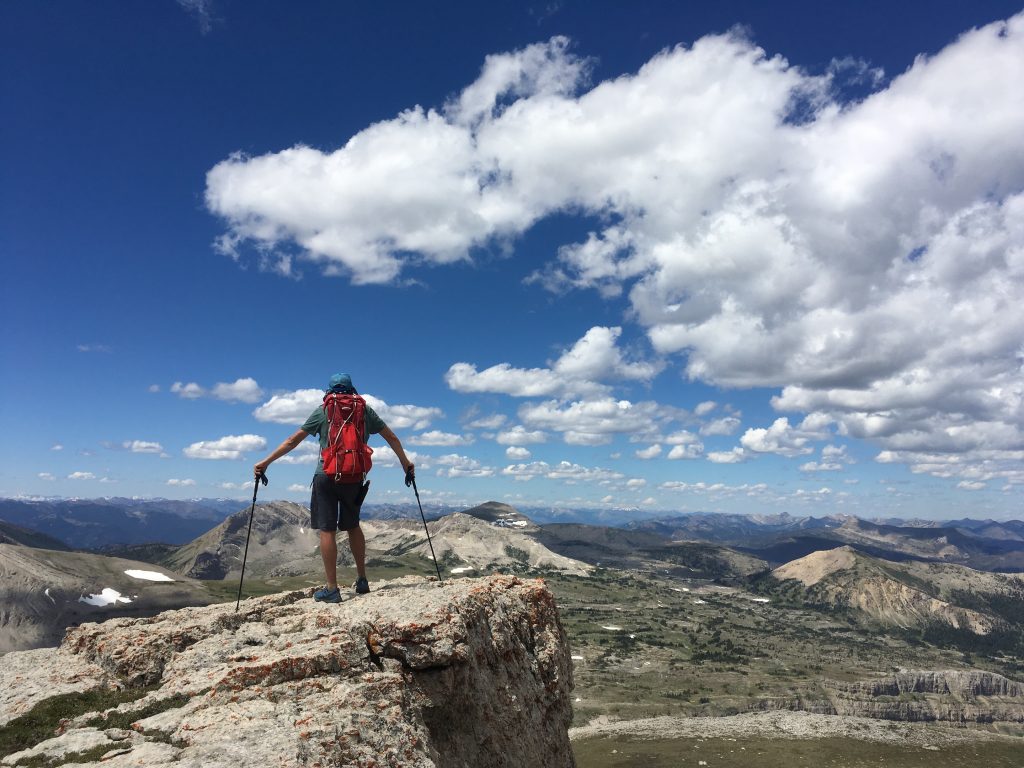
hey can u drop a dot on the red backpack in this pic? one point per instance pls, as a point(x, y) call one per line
point(347, 456)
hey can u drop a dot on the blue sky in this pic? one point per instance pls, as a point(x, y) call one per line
point(736, 256)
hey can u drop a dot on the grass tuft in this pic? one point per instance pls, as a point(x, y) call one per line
point(41, 722)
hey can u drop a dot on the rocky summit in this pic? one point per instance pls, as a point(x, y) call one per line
point(472, 672)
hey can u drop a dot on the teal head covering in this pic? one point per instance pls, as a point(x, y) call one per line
point(341, 382)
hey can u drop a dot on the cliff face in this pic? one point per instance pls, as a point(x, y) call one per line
point(952, 696)
point(946, 695)
point(475, 672)
point(903, 606)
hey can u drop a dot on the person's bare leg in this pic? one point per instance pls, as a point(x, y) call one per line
point(329, 553)
point(357, 542)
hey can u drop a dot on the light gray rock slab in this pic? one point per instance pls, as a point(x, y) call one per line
point(473, 672)
point(28, 677)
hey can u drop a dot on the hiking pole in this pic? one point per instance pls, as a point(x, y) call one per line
point(410, 479)
point(252, 512)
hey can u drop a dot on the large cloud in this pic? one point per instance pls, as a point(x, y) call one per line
point(454, 465)
point(228, 447)
point(867, 258)
point(593, 358)
point(780, 438)
point(295, 407)
point(598, 421)
point(564, 471)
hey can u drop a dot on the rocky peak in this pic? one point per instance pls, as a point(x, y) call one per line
point(474, 672)
point(500, 514)
point(816, 566)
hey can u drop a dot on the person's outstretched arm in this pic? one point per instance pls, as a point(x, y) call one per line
point(290, 444)
point(396, 445)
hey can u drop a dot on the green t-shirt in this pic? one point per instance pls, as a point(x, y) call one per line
point(316, 424)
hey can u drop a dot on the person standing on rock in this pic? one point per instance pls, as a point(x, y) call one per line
point(335, 502)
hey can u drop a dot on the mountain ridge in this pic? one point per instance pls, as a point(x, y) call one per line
point(900, 594)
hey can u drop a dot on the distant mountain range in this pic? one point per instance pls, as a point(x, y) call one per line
point(98, 523)
point(16, 534)
point(282, 544)
point(981, 544)
point(903, 574)
point(120, 525)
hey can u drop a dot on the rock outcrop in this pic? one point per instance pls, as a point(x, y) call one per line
point(958, 696)
point(474, 672)
point(943, 696)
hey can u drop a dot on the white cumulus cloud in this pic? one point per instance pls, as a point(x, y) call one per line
point(244, 390)
point(735, 456)
point(241, 390)
point(189, 391)
point(179, 482)
point(651, 452)
point(455, 466)
point(438, 438)
point(726, 425)
point(833, 459)
point(228, 447)
point(564, 471)
point(687, 451)
point(295, 407)
point(383, 456)
point(519, 435)
point(307, 452)
point(404, 416)
point(143, 446)
point(597, 421)
point(780, 438)
point(593, 358)
point(494, 421)
point(866, 258)
point(290, 407)
point(971, 485)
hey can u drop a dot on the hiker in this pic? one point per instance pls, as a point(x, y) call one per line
point(337, 494)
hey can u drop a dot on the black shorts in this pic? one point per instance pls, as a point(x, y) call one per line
point(334, 506)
